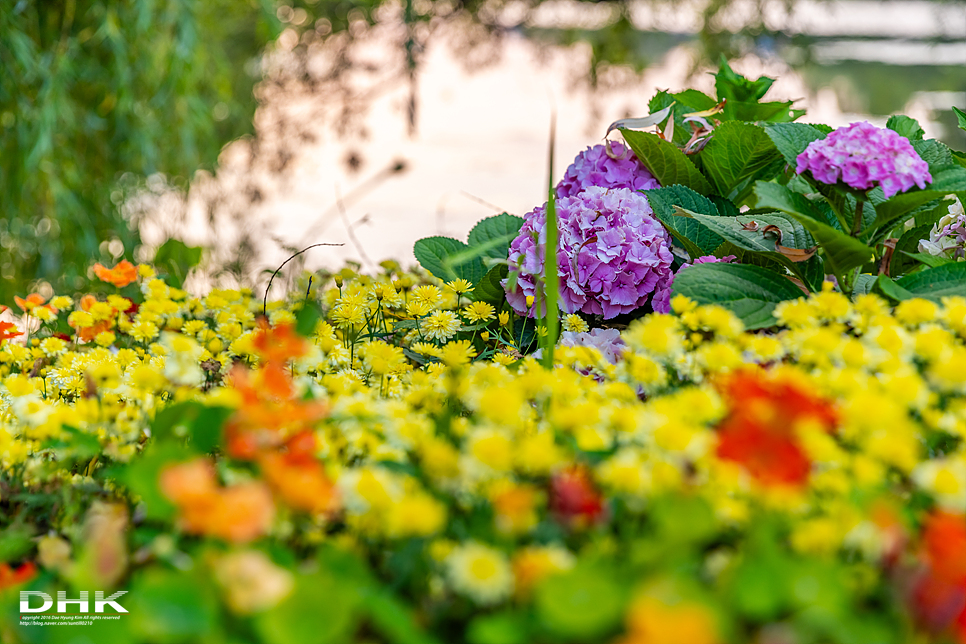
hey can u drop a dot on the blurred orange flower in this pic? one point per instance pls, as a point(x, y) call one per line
point(760, 429)
point(237, 513)
point(278, 344)
point(120, 276)
point(939, 593)
point(33, 300)
point(10, 577)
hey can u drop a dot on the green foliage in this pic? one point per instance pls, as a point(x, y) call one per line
point(582, 604)
point(932, 284)
point(738, 155)
point(448, 259)
point(494, 234)
point(176, 259)
point(95, 94)
point(791, 139)
point(667, 163)
point(750, 292)
point(906, 126)
point(960, 117)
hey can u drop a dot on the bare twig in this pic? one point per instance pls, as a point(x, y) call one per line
point(269, 287)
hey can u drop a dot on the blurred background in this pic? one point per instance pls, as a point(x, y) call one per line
point(254, 128)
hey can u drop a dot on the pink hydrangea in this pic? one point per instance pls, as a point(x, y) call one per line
point(593, 167)
point(612, 254)
point(661, 301)
point(862, 155)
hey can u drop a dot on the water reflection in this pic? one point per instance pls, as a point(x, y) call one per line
point(364, 177)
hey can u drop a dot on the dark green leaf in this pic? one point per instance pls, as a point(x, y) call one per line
point(907, 244)
point(171, 606)
point(863, 284)
point(933, 152)
point(436, 254)
point(885, 285)
point(667, 163)
point(175, 258)
point(960, 117)
point(737, 155)
point(936, 283)
point(391, 618)
point(495, 234)
point(950, 179)
point(141, 476)
point(490, 288)
point(906, 126)
point(791, 139)
point(15, 542)
point(930, 260)
point(750, 292)
point(308, 316)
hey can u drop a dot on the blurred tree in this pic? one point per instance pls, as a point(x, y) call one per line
point(93, 89)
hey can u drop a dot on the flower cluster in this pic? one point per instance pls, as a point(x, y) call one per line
point(862, 156)
point(612, 254)
point(948, 235)
point(385, 448)
point(594, 167)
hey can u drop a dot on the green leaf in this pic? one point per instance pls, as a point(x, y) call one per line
point(960, 117)
point(15, 542)
point(320, 610)
point(884, 285)
point(495, 234)
point(436, 254)
point(171, 606)
point(306, 319)
point(141, 476)
point(949, 179)
point(936, 283)
point(750, 292)
point(841, 251)
point(906, 126)
point(508, 627)
point(791, 139)
point(930, 260)
point(490, 288)
point(737, 155)
point(667, 163)
point(583, 603)
point(393, 619)
point(175, 259)
point(863, 284)
point(907, 245)
point(198, 426)
point(933, 152)
point(696, 238)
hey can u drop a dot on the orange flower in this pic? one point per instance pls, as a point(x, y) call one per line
point(120, 276)
point(33, 300)
point(938, 596)
point(237, 513)
point(279, 344)
point(10, 577)
point(301, 483)
point(670, 621)
point(7, 331)
point(759, 432)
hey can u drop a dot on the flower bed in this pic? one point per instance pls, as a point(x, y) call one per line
point(721, 449)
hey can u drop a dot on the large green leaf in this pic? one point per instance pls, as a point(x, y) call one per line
point(175, 258)
point(933, 152)
point(791, 139)
point(697, 239)
point(737, 155)
point(495, 234)
point(936, 283)
point(907, 244)
point(448, 259)
point(172, 606)
point(667, 163)
point(750, 292)
point(906, 126)
point(841, 251)
point(581, 604)
point(322, 609)
point(490, 289)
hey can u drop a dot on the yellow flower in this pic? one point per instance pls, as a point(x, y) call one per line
point(460, 286)
point(916, 311)
point(504, 318)
point(479, 312)
point(480, 572)
point(419, 308)
point(457, 353)
point(573, 322)
point(441, 325)
point(104, 339)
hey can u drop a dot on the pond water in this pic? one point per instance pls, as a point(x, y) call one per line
point(479, 144)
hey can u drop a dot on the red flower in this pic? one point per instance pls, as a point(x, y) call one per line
point(938, 595)
point(760, 430)
point(574, 499)
point(7, 331)
point(10, 577)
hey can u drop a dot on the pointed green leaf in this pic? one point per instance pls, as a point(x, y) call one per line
point(936, 283)
point(930, 260)
point(738, 154)
point(495, 234)
point(791, 139)
point(667, 163)
point(750, 292)
point(907, 245)
point(906, 126)
point(436, 255)
point(950, 179)
point(960, 117)
point(885, 285)
point(490, 288)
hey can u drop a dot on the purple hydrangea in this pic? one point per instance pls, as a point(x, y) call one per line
point(593, 167)
point(661, 301)
point(611, 254)
point(862, 155)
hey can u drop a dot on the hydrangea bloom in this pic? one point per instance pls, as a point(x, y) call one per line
point(862, 155)
point(611, 254)
point(662, 295)
point(593, 167)
point(948, 236)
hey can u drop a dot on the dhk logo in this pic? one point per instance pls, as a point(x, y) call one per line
point(100, 601)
